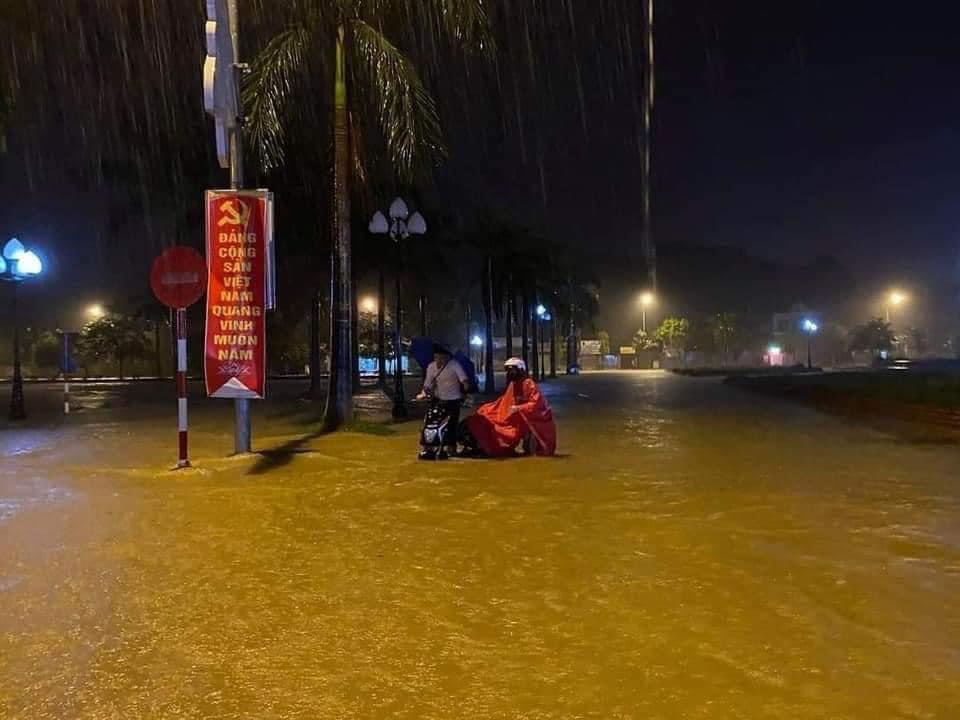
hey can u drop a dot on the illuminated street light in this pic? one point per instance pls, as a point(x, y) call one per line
point(476, 341)
point(95, 311)
point(895, 299)
point(647, 299)
point(16, 265)
point(541, 311)
point(368, 305)
point(810, 328)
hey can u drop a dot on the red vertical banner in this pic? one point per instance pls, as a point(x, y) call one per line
point(239, 237)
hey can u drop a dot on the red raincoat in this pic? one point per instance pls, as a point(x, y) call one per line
point(499, 432)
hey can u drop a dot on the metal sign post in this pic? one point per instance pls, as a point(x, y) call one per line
point(179, 278)
point(66, 373)
point(221, 80)
point(183, 459)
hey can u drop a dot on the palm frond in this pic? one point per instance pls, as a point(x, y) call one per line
point(406, 112)
point(467, 22)
point(267, 91)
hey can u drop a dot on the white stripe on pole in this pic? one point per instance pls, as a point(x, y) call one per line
point(183, 457)
point(66, 397)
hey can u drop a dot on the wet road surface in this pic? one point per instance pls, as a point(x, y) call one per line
point(696, 552)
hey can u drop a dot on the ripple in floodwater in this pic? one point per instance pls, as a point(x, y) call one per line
point(9, 507)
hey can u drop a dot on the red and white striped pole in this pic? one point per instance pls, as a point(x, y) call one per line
point(66, 370)
point(184, 460)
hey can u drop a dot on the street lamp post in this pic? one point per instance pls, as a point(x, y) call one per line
point(553, 345)
point(647, 299)
point(16, 265)
point(381, 332)
point(894, 299)
point(541, 318)
point(476, 342)
point(400, 227)
point(810, 328)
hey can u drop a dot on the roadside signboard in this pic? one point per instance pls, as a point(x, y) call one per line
point(239, 247)
point(628, 350)
point(179, 277)
point(589, 347)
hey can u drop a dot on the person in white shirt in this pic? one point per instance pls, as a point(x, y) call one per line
point(447, 383)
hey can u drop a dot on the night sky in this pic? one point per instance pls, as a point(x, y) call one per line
point(788, 130)
point(792, 129)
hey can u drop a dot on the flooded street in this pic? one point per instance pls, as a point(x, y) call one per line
point(696, 552)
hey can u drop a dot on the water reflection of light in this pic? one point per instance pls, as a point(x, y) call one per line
point(26, 442)
point(649, 432)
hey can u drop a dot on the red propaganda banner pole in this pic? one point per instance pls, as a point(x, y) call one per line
point(184, 459)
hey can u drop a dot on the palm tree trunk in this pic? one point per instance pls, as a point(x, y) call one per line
point(535, 327)
point(355, 338)
point(553, 343)
point(571, 342)
point(525, 328)
point(315, 385)
point(339, 407)
point(467, 321)
point(423, 325)
point(511, 312)
point(489, 385)
point(381, 333)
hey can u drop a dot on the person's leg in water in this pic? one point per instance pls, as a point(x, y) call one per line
point(469, 444)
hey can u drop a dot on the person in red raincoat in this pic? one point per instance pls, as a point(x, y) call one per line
point(521, 414)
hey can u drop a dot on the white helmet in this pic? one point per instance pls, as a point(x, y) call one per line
point(516, 362)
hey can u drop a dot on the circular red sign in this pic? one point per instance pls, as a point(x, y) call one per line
point(179, 277)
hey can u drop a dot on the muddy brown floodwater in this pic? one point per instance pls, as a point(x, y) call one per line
point(696, 552)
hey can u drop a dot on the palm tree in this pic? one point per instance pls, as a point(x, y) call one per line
point(371, 78)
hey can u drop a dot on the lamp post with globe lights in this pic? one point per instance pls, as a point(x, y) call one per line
point(400, 226)
point(16, 265)
point(542, 317)
point(810, 328)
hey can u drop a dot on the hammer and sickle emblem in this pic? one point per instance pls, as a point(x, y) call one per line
point(231, 215)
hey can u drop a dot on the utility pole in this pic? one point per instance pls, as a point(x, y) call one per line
point(242, 432)
point(649, 93)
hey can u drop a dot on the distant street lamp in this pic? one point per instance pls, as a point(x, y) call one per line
point(95, 311)
point(16, 265)
point(810, 328)
point(647, 299)
point(476, 342)
point(400, 227)
point(895, 299)
point(368, 305)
